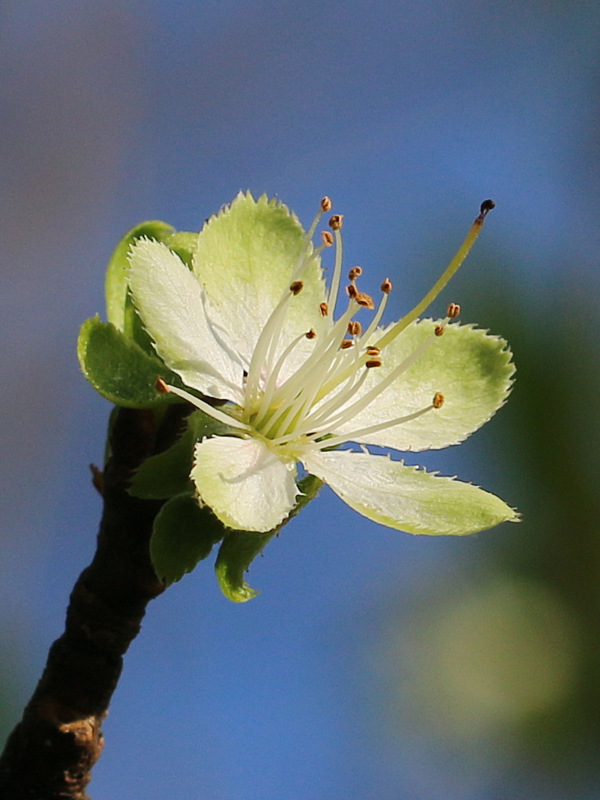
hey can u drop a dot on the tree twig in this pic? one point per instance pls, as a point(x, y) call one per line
point(51, 752)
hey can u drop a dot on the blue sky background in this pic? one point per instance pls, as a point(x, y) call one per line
point(373, 664)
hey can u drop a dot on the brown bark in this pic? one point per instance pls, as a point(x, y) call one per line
point(51, 752)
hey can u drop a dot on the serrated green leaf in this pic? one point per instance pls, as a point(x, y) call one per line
point(168, 473)
point(118, 368)
point(183, 534)
point(118, 310)
point(240, 548)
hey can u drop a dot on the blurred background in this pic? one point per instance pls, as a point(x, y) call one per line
point(373, 664)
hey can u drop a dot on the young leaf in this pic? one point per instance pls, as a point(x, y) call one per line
point(183, 534)
point(240, 548)
point(118, 368)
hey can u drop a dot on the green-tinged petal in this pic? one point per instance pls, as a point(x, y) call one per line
point(408, 498)
point(472, 369)
point(183, 534)
point(240, 548)
point(118, 368)
point(118, 310)
point(245, 259)
point(168, 473)
point(246, 485)
point(171, 304)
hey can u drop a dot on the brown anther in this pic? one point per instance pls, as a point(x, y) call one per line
point(373, 362)
point(438, 400)
point(327, 238)
point(365, 300)
point(161, 386)
point(438, 330)
point(484, 210)
point(326, 204)
point(311, 334)
point(324, 309)
point(296, 287)
point(352, 291)
point(346, 343)
point(336, 222)
point(354, 328)
point(386, 286)
point(354, 273)
point(373, 351)
point(453, 310)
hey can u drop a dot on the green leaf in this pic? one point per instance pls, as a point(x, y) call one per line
point(183, 534)
point(240, 548)
point(118, 310)
point(168, 473)
point(118, 368)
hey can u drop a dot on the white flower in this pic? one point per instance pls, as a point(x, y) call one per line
point(253, 324)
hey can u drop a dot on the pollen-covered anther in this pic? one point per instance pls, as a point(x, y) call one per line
point(324, 309)
point(439, 330)
point(326, 204)
point(327, 238)
point(354, 273)
point(438, 400)
point(352, 291)
point(346, 343)
point(484, 210)
point(311, 334)
point(386, 286)
point(354, 328)
point(161, 386)
point(373, 362)
point(365, 300)
point(296, 287)
point(336, 222)
point(373, 351)
point(453, 310)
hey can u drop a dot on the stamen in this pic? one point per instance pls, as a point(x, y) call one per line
point(326, 204)
point(346, 343)
point(373, 351)
point(364, 300)
point(161, 386)
point(296, 287)
point(327, 238)
point(438, 400)
point(386, 286)
point(439, 330)
point(336, 222)
point(334, 441)
point(352, 291)
point(221, 416)
point(453, 310)
point(354, 273)
point(354, 328)
point(439, 285)
point(311, 333)
point(373, 362)
point(324, 309)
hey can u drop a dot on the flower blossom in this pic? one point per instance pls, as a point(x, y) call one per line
point(253, 324)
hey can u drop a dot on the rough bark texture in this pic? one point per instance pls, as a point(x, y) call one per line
point(51, 752)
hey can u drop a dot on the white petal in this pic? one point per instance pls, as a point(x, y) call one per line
point(407, 498)
point(245, 259)
point(245, 484)
point(171, 304)
point(472, 369)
